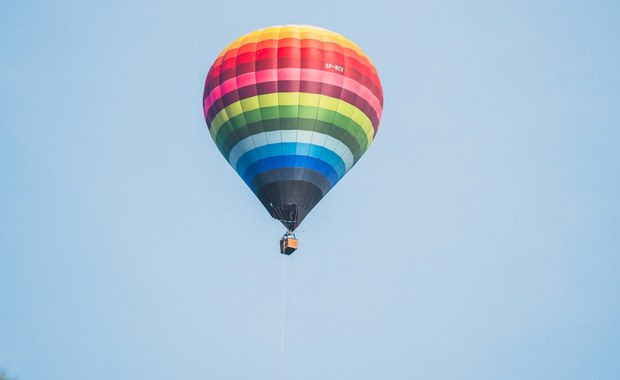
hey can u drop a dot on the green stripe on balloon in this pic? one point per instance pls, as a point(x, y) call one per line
point(301, 124)
point(334, 119)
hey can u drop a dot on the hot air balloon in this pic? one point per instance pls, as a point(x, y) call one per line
point(292, 109)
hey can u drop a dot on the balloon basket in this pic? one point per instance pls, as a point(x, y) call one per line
point(288, 244)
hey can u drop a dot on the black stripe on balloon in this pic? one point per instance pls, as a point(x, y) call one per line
point(280, 202)
point(291, 174)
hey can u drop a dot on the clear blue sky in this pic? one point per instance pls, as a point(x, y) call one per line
point(477, 239)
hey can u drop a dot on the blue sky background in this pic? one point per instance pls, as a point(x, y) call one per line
point(477, 238)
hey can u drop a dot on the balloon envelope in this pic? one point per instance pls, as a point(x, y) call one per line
point(292, 109)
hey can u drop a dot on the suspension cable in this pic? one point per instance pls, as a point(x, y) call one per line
point(282, 313)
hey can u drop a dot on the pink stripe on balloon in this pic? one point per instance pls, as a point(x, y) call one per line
point(312, 75)
point(266, 76)
point(228, 86)
point(216, 93)
point(246, 79)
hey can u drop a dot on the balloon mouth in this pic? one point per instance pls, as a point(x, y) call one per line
point(289, 201)
point(290, 215)
point(287, 214)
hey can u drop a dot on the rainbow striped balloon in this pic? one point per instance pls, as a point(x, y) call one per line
point(292, 108)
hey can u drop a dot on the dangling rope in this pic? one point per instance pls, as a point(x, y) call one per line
point(282, 313)
point(284, 305)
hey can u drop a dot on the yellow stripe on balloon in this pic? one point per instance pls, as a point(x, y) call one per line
point(293, 99)
point(295, 31)
point(290, 32)
point(310, 32)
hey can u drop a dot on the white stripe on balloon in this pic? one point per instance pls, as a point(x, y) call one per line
point(291, 136)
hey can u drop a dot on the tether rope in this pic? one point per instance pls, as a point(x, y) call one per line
point(282, 313)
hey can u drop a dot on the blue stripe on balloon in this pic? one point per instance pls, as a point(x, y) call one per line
point(291, 149)
point(277, 162)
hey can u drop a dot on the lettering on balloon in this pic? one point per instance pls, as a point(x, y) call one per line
point(331, 66)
